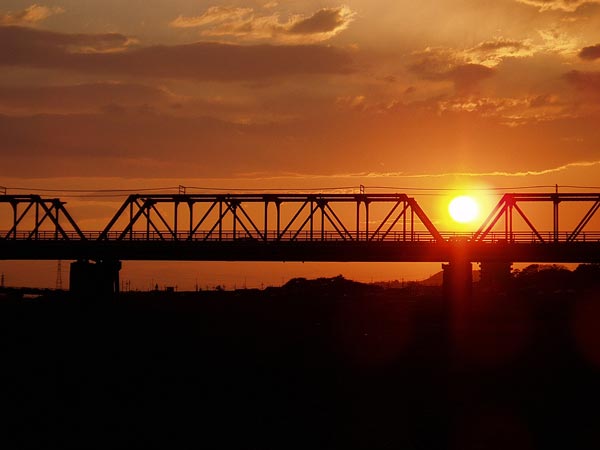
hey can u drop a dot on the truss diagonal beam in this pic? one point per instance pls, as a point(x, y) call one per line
point(18, 221)
point(219, 222)
point(398, 217)
point(127, 203)
point(425, 220)
point(314, 209)
point(54, 219)
point(584, 221)
point(162, 219)
point(249, 219)
point(288, 226)
point(201, 221)
point(528, 222)
point(341, 224)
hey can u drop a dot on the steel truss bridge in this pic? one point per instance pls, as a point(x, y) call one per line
point(295, 227)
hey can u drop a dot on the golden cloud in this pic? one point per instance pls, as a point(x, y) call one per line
point(214, 14)
point(244, 23)
point(561, 5)
point(29, 16)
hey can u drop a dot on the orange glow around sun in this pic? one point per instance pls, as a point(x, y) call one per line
point(463, 209)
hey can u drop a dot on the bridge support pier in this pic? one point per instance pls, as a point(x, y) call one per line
point(99, 279)
point(458, 293)
point(458, 281)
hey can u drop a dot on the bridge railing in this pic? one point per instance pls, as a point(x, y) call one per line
point(302, 236)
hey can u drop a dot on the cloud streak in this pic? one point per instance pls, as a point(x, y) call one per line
point(505, 174)
point(516, 174)
point(113, 54)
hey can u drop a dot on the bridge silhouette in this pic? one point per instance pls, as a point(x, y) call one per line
point(386, 227)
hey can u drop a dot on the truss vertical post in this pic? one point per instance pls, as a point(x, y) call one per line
point(511, 223)
point(357, 220)
point(506, 213)
point(234, 213)
point(367, 219)
point(191, 208)
point(176, 207)
point(147, 221)
point(278, 209)
point(312, 222)
point(412, 224)
point(322, 206)
point(266, 223)
point(130, 219)
point(56, 204)
point(220, 219)
point(37, 220)
point(555, 203)
point(404, 221)
point(15, 220)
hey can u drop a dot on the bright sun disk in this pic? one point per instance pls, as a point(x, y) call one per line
point(463, 209)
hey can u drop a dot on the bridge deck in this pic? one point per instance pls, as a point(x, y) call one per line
point(250, 250)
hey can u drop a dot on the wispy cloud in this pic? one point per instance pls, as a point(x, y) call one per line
point(404, 175)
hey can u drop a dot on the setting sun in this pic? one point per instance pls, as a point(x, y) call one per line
point(463, 209)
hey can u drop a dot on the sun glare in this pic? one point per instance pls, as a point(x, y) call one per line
point(463, 209)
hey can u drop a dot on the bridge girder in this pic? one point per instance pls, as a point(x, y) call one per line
point(292, 227)
point(312, 218)
point(509, 206)
point(38, 210)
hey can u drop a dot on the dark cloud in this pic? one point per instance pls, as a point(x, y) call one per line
point(200, 61)
point(33, 47)
point(81, 97)
point(588, 82)
point(468, 76)
point(542, 100)
point(499, 44)
point(323, 21)
point(435, 66)
point(590, 53)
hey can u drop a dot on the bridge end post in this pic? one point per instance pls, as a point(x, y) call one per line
point(95, 280)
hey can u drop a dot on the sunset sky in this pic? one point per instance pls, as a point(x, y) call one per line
point(464, 94)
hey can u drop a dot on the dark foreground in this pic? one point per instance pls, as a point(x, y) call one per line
point(313, 366)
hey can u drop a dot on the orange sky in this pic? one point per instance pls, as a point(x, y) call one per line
point(296, 94)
